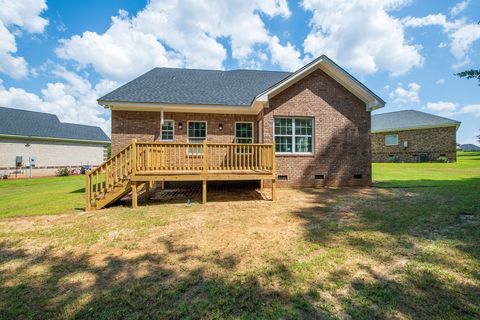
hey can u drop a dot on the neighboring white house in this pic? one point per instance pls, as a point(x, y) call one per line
point(40, 141)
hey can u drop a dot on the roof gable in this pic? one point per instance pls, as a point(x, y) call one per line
point(335, 72)
point(24, 123)
point(408, 120)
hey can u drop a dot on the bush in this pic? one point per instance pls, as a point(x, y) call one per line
point(63, 172)
point(393, 159)
point(443, 159)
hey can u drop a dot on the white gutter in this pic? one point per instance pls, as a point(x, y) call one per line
point(52, 139)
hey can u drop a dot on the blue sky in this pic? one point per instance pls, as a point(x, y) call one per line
point(60, 56)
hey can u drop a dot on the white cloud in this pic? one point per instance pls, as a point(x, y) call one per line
point(447, 108)
point(287, 57)
point(462, 35)
point(443, 107)
point(472, 109)
point(73, 100)
point(462, 40)
point(121, 53)
point(409, 95)
point(361, 35)
point(176, 33)
point(440, 81)
point(21, 15)
point(430, 20)
point(459, 7)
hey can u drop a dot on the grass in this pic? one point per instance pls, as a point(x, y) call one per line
point(465, 170)
point(27, 197)
point(403, 252)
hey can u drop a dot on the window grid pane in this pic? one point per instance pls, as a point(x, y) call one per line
point(283, 144)
point(244, 132)
point(293, 135)
point(197, 131)
point(167, 130)
point(283, 126)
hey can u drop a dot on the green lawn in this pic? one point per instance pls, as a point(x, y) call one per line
point(406, 249)
point(27, 197)
point(465, 171)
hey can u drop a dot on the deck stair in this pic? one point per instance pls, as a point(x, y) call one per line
point(143, 163)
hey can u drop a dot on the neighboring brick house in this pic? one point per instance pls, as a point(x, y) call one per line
point(413, 136)
point(41, 140)
point(318, 117)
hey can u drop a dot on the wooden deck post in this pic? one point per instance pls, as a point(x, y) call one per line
point(274, 173)
point(261, 184)
point(205, 172)
point(134, 195)
point(147, 189)
point(274, 192)
point(204, 191)
point(134, 156)
point(88, 192)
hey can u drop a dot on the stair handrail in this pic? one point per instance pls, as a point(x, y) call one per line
point(108, 174)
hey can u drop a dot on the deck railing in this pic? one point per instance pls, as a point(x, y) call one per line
point(109, 174)
point(218, 157)
point(158, 158)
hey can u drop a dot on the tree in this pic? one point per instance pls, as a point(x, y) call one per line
point(470, 74)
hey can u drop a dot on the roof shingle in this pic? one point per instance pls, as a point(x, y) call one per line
point(408, 119)
point(194, 86)
point(26, 123)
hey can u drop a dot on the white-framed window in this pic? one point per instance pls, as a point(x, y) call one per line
point(167, 130)
point(197, 131)
point(243, 132)
point(293, 135)
point(391, 140)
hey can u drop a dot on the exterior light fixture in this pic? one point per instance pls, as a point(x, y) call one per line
point(220, 126)
point(180, 125)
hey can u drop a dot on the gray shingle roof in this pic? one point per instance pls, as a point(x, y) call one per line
point(193, 86)
point(18, 122)
point(408, 119)
point(469, 147)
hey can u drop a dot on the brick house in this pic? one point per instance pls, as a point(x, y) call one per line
point(413, 136)
point(39, 144)
point(316, 119)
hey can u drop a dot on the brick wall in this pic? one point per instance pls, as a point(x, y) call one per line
point(341, 135)
point(145, 126)
point(432, 143)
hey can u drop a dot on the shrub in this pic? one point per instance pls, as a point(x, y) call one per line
point(63, 172)
point(424, 157)
point(393, 159)
point(443, 159)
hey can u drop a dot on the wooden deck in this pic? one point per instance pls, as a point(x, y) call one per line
point(141, 163)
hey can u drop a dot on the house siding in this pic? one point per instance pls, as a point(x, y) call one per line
point(145, 126)
point(432, 143)
point(49, 155)
point(341, 133)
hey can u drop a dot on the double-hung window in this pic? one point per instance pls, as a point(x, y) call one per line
point(244, 132)
point(167, 133)
point(197, 131)
point(293, 135)
point(391, 139)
